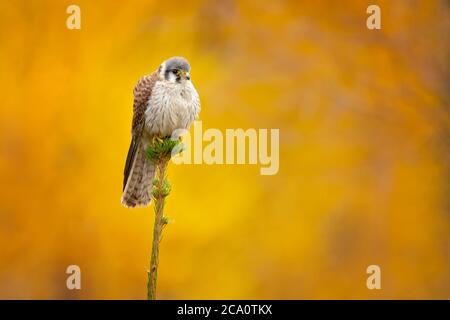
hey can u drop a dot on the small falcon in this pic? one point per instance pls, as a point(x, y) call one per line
point(164, 101)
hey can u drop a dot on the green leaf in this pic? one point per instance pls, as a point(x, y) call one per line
point(161, 149)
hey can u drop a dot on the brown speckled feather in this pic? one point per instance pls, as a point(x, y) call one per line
point(142, 92)
point(136, 163)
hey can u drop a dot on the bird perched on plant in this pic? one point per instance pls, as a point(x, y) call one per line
point(164, 101)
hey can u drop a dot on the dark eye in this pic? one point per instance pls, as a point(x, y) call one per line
point(174, 71)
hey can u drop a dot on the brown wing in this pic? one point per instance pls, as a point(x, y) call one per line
point(142, 92)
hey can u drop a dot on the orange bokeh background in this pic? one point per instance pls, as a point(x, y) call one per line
point(364, 167)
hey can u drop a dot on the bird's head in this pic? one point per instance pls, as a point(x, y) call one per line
point(175, 70)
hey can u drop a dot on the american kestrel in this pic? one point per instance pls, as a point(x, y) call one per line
point(164, 101)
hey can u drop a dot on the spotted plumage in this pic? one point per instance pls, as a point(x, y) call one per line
point(163, 102)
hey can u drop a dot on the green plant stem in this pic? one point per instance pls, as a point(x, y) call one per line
point(159, 198)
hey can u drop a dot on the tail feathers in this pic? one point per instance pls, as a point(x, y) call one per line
point(138, 187)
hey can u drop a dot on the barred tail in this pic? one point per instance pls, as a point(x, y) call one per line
point(138, 177)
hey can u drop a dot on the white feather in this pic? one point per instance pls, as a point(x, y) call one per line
point(171, 106)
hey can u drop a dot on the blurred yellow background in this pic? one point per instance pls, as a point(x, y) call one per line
point(364, 163)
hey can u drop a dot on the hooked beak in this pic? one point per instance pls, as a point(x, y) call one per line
point(184, 75)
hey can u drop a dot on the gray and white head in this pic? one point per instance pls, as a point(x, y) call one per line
point(175, 70)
